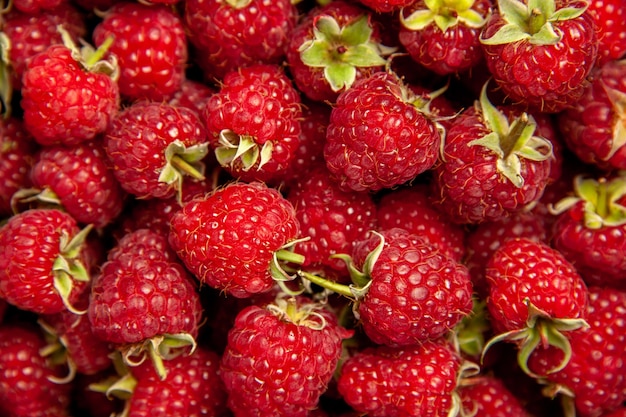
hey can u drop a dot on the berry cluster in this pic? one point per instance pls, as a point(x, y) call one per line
point(313, 208)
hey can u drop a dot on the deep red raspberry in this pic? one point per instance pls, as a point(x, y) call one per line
point(66, 99)
point(80, 178)
point(44, 266)
point(25, 385)
point(280, 358)
point(377, 138)
point(228, 35)
point(228, 239)
point(17, 150)
point(488, 396)
point(416, 380)
point(253, 123)
point(151, 48)
point(539, 60)
point(153, 146)
point(143, 292)
point(192, 388)
point(29, 34)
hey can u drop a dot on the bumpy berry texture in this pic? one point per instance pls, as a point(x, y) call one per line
point(536, 298)
point(253, 123)
point(541, 58)
point(377, 138)
point(332, 47)
point(31, 33)
point(493, 164)
point(488, 396)
point(411, 209)
point(43, 265)
point(82, 181)
point(151, 48)
point(595, 375)
point(153, 148)
point(610, 19)
point(192, 388)
point(229, 238)
point(17, 154)
point(66, 100)
point(142, 292)
point(590, 229)
point(593, 128)
point(25, 387)
point(332, 219)
point(280, 358)
point(228, 35)
point(416, 292)
point(443, 36)
point(410, 381)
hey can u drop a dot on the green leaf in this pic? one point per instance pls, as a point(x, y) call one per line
point(514, 12)
point(418, 20)
point(506, 34)
point(340, 75)
point(357, 33)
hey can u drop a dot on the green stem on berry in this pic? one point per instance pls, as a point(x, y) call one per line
point(187, 168)
point(515, 138)
point(536, 20)
point(333, 286)
point(99, 53)
point(541, 330)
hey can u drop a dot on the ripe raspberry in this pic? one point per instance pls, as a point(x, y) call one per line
point(280, 358)
point(488, 396)
point(591, 228)
point(443, 35)
point(593, 128)
point(541, 56)
point(416, 380)
point(229, 238)
point(596, 373)
point(26, 388)
point(152, 146)
point(416, 292)
point(332, 219)
point(151, 48)
point(386, 6)
point(535, 297)
point(411, 209)
point(80, 180)
point(192, 388)
point(493, 164)
point(232, 34)
point(69, 95)
point(332, 47)
point(17, 150)
point(144, 299)
point(44, 265)
point(28, 34)
point(253, 123)
point(610, 19)
point(377, 138)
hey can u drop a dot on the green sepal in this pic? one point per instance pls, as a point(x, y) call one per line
point(68, 267)
point(601, 201)
point(238, 4)
point(511, 142)
point(6, 86)
point(45, 197)
point(91, 59)
point(280, 270)
point(444, 14)
point(469, 335)
point(158, 349)
point(541, 330)
point(341, 50)
point(618, 104)
point(532, 22)
point(181, 160)
point(233, 147)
